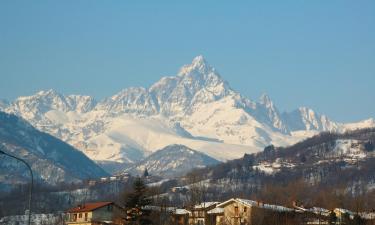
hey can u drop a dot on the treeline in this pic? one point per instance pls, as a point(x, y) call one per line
point(60, 197)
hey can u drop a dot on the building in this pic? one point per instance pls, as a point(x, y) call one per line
point(96, 213)
point(181, 217)
point(343, 215)
point(238, 211)
point(199, 214)
point(216, 215)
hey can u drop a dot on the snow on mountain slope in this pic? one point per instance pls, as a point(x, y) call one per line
point(196, 108)
point(173, 160)
point(151, 134)
point(223, 121)
point(361, 124)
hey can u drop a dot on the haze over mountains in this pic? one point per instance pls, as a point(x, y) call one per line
point(195, 108)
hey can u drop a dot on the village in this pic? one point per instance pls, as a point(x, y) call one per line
point(234, 211)
point(139, 204)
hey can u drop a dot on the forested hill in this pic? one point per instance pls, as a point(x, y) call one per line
point(340, 163)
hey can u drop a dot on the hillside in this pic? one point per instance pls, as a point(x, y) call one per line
point(328, 163)
point(51, 159)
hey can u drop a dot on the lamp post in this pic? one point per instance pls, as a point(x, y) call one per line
point(32, 181)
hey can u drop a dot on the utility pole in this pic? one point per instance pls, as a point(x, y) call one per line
point(32, 180)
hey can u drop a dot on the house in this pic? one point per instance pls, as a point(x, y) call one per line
point(216, 215)
point(343, 214)
point(199, 213)
point(92, 182)
point(312, 215)
point(367, 216)
point(180, 217)
point(179, 190)
point(96, 213)
point(168, 215)
point(238, 211)
point(104, 179)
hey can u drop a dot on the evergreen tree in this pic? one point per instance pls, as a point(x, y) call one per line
point(369, 146)
point(145, 173)
point(136, 202)
point(346, 218)
point(357, 220)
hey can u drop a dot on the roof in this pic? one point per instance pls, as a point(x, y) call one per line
point(344, 211)
point(242, 201)
point(252, 203)
point(319, 211)
point(87, 207)
point(173, 210)
point(181, 212)
point(204, 205)
point(367, 215)
point(159, 208)
point(216, 211)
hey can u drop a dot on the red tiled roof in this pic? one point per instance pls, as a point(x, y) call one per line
point(87, 207)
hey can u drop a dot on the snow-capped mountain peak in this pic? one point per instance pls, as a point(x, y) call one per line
point(198, 65)
point(201, 75)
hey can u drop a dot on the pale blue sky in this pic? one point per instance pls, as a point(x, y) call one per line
point(319, 54)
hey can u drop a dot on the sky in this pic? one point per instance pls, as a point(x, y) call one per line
point(319, 54)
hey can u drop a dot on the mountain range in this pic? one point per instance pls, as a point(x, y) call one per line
point(196, 108)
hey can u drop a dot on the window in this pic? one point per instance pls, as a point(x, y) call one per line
point(80, 215)
point(110, 207)
point(245, 209)
point(75, 217)
point(86, 215)
point(236, 212)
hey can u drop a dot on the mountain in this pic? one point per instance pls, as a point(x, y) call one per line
point(195, 108)
point(172, 161)
point(51, 159)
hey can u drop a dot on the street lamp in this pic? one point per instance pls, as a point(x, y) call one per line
point(32, 181)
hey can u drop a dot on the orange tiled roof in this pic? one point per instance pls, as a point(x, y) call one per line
point(87, 207)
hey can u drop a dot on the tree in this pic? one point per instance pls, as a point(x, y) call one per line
point(357, 220)
point(269, 150)
point(145, 173)
point(369, 146)
point(345, 218)
point(136, 203)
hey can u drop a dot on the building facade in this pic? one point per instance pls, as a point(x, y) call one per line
point(98, 213)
